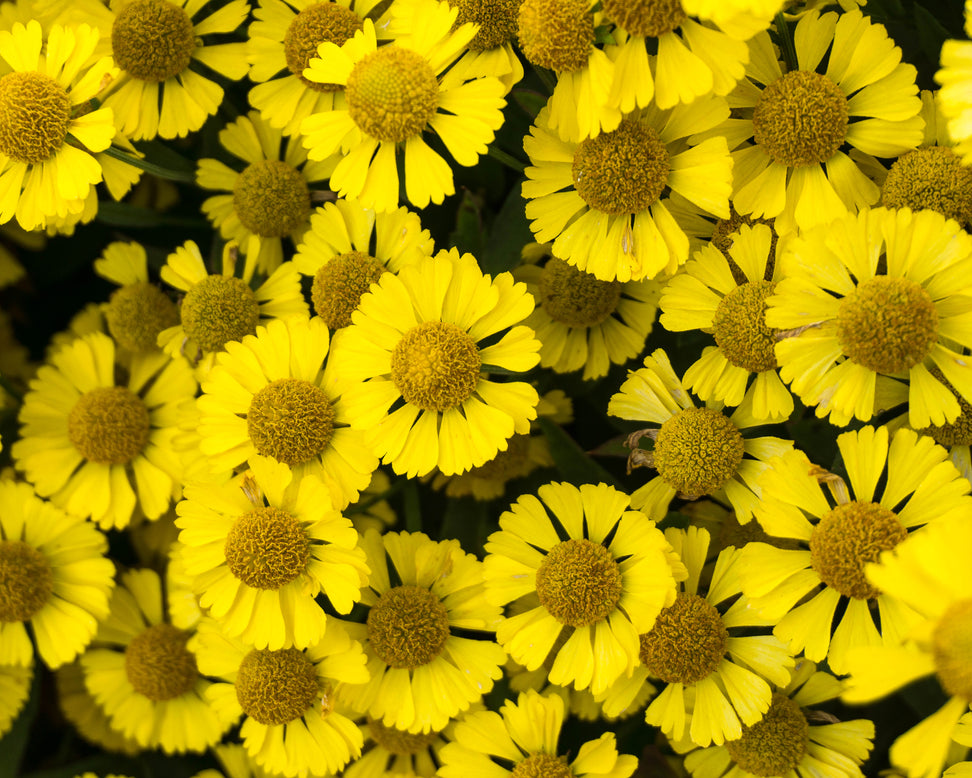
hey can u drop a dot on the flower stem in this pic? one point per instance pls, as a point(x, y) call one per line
point(507, 159)
point(184, 176)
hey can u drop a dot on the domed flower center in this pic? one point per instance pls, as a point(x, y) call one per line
point(399, 742)
point(739, 327)
point(579, 582)
point(326, 22)
point(645, 18)
point(152, 40)
point(290, 420)
point(26, 581)
point(339, 284)
point(496, 20)
point(846, 539)
point(959, 432)
point(276, 687)
point(687, 642)
point(697, 451)
point(512, 463)
point(800, 119)
point(267, 548)
point(158, 664)
point(137, 313)
point(392, 94)
point(724, 236)
point(219, 309)
point(109, 425)
point(952, 649)
point(408, 627)
point(556, 34)
point(623, 171)
point(774, 745)
point(435, 366)
point(35, 112)
point(271, 198)
point(888, 325)
point(575, 298)
point(934, 178)
point(543, 766)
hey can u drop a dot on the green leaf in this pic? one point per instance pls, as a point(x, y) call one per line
point(13, 744)
point(510, 233)
point(465, 520)
point(931, 33)
point(571, 460)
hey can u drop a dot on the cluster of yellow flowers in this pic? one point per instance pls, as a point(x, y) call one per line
point(199, 524)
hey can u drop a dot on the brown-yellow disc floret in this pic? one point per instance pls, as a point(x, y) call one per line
point(267, 548)
point(575, 298)
point(152, 40)
point(952, 647)
point(579, 582)
point(276, 687)
point(687, 641)
point(35, 112)
point(739, 327)
point(556, 34)
point(291, 420)
point(158, 664)
point(326, 22)
point(109, 425)
point(340, 282)
point(26, 581)
point(496, 20)
point(219, 309)
point(271, 198)
point(774, 745)
point(408, 627)
point(137, 313)
point(436, 366)
point(645, 18)
point(932, 178)
point(398, 741)
point(543, 766)
point(697, 451)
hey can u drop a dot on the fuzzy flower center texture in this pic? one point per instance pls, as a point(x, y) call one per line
point(219, 309)
point(109, 425)
point(26, 581)
point(35, 113)
point(392, 94)
point(291, 420)
point(556, 34)
point(687, 641)
point(623, 171)
point(339, 284)
point(137, 313)
point(496, 20)
point(543, 766)
point(774, 745)
point(801, 119)
point(575, 298)
point(400, 742)
point(739, 327)
point(934, 178)
point(326, 22)
point(697, 451)
point(152, 40)
point(158, 664)
point(271, 198)
point(435, 366)
point(579, 582)
point(645, 18)
point(276, 687)
point(408, 627)
point(267, 548)
point(952, 649)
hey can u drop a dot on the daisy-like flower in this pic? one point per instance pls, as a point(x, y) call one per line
point(347, 249)
point(391, 751)
point(85, 715)
point(794, 169)
point(422, 593)
point(839, 532)
point(855, 328)
point(605, 583)
point(707, 296)
point(270, 199)
point(273, 395)
point(522, 739)
point(581, 321)
point(392, 95)
point(291, 726)
point(145, 677)
point(47, 142)
point(415, 339)
point(262, 547)
point(955, 96)
point(54, 579)
point(697, 451)
point(97, 430)
point(604, 201)
point(929, 572)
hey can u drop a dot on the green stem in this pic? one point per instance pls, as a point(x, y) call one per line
point(548, 79)
point(184, 176)
point(786, 41)
point(507, 159)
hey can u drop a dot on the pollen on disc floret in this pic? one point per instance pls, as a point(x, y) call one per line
point(276, 687)
point(35, 112)
point(152, 40)
point(556, 34)
point(697, 450)
point(408, 626)
point(159, 665)
point(687, 642)
point(291, 420)
point(436, 366)
point(109, 425)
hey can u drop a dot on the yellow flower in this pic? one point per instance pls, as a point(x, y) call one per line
point(85, 715)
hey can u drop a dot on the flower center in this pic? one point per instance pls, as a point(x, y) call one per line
point(775, 744)
point(623, 171)
point(739, 327)
point(271, 198)
point(392, 94)
point(26, 581)
point(219, 309)
point(266, 548)
point(846, 539)
point(158, 664)
point(543, 766)
point(556, 34)
point(933, 178)
point(645, 18)
point(109, 425)
point(152, 40)
point(578, 582)
point(959, 432)
point(320, 23)
point(800, 119)
point(724, 236)
point(576, 298)
point(397, 741)
point(408, 627)
point(512, 463)
point(888, 325)
point(339, 284)
point(697, 451)
point(276, 687)
point(137, 313)
point(687, 642)
point(35, 112)
point(436, 366)
point(496, 20)
point(952, 649)
point(290, 420)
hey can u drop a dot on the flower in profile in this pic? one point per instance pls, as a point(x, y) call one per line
point(955, 77)
point(262, 547)
point(392, 95)
point(604, 201)
point(416, 338)
point(97, 429)
point(425, 603)
point(801, 589)
point(522, 739)
point(48, 138)
point(604, 583)
point(874, 301)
